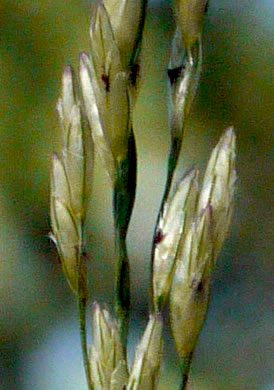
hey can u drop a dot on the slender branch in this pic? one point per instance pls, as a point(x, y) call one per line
point(122, 288)
point(82, 305)
point(123, 201)
point(185, 367)
point(83, 336)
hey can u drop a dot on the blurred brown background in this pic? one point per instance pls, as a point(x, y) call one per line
point(38, 321)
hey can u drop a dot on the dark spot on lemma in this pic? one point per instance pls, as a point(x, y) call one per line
point(159, 236)
point(198, 286)
point(206, 7)
point(84, 255)
point(105, 79)
point(174, 73)
point(134, 73)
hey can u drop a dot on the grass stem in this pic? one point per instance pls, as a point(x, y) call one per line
point(185, 367)
point(82, 302)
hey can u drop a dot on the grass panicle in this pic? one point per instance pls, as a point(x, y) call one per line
point(192, 223)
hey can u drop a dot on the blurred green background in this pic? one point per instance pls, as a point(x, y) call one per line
point(38, 321)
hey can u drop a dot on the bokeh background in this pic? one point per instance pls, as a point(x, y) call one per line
point(38, 321)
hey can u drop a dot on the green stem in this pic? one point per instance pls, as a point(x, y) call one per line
point(122, 290)
point(82, 303)
point(185, 364)
point(123, 201)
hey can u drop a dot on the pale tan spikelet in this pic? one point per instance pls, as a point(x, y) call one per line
point(189, 295)
point(105, 92)
point(77, 148)
point(112, 81)
point(146, 365)
point(219, 186)
point(177, 214)
point(69, 182)
point(198, 250)
point(107, 360)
